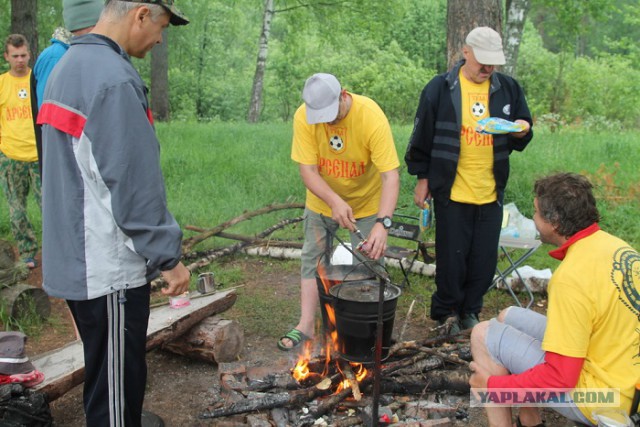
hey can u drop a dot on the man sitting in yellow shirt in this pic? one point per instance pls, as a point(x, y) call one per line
point(589, 338)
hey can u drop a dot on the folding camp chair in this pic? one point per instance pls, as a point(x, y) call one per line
point(407, 227)
point(526, 248)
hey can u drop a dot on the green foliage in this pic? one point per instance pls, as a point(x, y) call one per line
point(599, 91)
point(388, 51)
point(594, 92)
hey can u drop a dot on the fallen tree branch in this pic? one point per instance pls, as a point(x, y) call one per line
point(189, 243)
point(209, 256)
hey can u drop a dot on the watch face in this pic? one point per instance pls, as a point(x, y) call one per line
point(386, 222)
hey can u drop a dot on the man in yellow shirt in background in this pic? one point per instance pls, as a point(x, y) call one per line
point(18, 155)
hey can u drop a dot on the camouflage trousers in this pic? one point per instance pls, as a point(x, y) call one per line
point(17, 178)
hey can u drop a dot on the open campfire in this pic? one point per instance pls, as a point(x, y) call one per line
point(410, 383)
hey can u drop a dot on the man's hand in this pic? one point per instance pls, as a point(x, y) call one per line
point(421, 192)
point(527, 128)
point(177, 280)
point(376, 242)
point(479, 377)
point(342, 213)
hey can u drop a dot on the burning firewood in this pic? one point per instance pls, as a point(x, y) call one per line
point(351, 379)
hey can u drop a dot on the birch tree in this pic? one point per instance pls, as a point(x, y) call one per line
point(258, 80)
point(514, 26)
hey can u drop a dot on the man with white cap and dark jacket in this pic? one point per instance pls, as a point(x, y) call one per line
point(107, 232)
point(466, 172)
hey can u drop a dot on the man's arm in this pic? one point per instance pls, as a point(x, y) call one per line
point(557, 371)
point(521, 114)
point(418, 154)
point(377, 239)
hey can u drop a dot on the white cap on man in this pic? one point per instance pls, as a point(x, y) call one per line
point(487, 46)
point(321, 95)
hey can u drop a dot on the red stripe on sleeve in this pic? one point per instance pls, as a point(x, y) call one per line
point(62, 119)
point(557, 371)
point(150, 116)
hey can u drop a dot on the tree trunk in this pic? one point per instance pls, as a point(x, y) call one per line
point(258, 79)
point(204, 45)
point(463, 16)
point(514, 27)
point(160, 79)
point(24, 20)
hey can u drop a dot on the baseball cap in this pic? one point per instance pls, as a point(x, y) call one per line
point(80, 14)
point(321, 94)
point(177, 17)
point(487, 46)
point(13, 359)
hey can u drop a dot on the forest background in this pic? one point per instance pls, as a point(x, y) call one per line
point(576, 60)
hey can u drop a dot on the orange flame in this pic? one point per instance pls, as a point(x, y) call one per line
point(301, 370)
point(359, 370)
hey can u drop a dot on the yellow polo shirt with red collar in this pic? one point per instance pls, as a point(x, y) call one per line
point(594, 313)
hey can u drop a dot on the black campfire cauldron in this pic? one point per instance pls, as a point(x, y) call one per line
point(333, 275)
point(356, 310)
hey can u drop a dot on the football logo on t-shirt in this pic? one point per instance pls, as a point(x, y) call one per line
point(478, 109)
point(336, 143)
point(23, 94)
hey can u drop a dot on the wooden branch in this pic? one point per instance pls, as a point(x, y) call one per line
point(233, 248)
point(353, 382)
point(189, 243)
point(453, 381)
point(210, 256)
point(265, 242)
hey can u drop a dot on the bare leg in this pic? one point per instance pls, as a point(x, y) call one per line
point(308, 304)
point(497, 416)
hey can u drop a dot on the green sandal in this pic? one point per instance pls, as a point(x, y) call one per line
point(296, 337)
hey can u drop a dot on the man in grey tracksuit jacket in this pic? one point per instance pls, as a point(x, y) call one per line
point(106, 228)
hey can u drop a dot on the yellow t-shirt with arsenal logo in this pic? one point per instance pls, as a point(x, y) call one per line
point(17, 136)
point(474, 182)
point(350, 155)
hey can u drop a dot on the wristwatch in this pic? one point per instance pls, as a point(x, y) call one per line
point(385, 221)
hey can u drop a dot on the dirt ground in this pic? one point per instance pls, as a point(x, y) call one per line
point(178, 388)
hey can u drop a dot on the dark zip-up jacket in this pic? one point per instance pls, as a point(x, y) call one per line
point(434, 147)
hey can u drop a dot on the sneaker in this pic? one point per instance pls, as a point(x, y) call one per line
point(149, 419)
point(450, 325)
point(469, 320)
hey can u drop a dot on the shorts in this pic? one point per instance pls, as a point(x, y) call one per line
point(319, 231)
point(516, 345)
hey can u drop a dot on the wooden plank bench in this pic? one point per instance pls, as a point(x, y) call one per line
point(63, 368)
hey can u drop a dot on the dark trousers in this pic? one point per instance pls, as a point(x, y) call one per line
point(113, 329)
point(467, 239)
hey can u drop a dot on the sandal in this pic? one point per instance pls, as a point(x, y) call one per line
point(519, 424)
point(30, 262)
point(296, 337)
